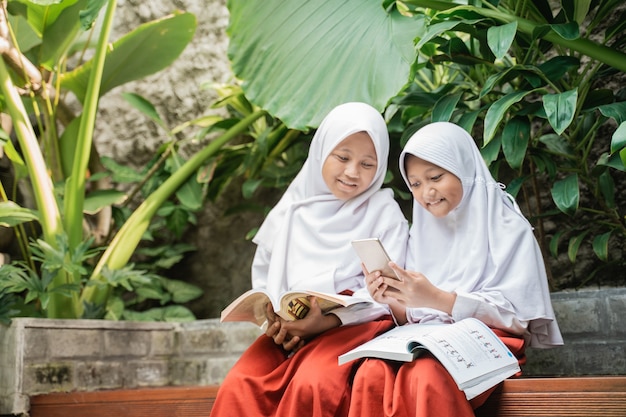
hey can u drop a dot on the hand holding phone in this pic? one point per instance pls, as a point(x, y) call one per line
point(374, 256)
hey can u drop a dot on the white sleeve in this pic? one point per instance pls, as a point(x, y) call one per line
point(492, 312)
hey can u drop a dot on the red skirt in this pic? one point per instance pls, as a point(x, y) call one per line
point(422, 388)
point(267, 382)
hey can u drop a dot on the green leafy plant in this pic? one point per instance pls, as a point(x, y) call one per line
point(78, 263)
point(528, 78)
point(533, 81)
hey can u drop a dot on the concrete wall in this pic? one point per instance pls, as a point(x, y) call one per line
point(40, 356)
point(594, 330)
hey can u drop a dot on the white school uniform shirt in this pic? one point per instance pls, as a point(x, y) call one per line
point(305, 241)
point(484, 249)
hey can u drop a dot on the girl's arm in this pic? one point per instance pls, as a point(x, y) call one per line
point(417, 292)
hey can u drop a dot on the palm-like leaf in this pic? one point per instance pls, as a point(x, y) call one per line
point(299, 59)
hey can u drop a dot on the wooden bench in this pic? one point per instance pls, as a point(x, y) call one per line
point(524, 397)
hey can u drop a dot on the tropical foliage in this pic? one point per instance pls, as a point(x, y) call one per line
point(537, 82)
point(76, 239)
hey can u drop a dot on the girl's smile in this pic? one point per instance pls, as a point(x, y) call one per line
point(434, 188)
point(351, 166)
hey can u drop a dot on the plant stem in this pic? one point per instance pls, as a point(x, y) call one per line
point(75, 190)
point(126, 240)
point(49, 214)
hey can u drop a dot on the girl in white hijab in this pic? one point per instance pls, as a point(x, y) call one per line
point(471, 253)
point(305, 243)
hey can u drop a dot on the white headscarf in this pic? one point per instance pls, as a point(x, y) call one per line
point(485, 245)
point(309, 231)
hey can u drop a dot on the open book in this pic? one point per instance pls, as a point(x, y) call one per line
point(293, 305)
point(470, 351)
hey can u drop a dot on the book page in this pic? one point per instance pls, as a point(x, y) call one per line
point(249, 306)
point(295, 304)
point(471, 353)
point(341, 299)
point(393, 345)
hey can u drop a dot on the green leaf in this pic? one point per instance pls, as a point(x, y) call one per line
point(25, 35)
point(43, 13)
point(574, 245)
point(560, 109)
point(96, 200)
point(178, 221)
point(190, 194)
point(515, 137)
point(557, 144)
point(500, 38)
point(508, 74)
point(90, 13)
point(144, 51)
point(60, 33)
point(601, 246)
point(514, 186)
point(554, 243)
point(121, 174)
point(567, 31)
point(114, 309)
point(442, 112)
point(566, 194)
point(144, 106)
point(250, 186)
point(618, 140)
point(497, 110)
point(556, 67)
point(614, 161)
point(581, 9)
point(181, 291)
point(361, 52)
point(491, 150)
point(607, 188)
point(468, 119)
point(177, 314)
point(615, 110)
point(19, 166)
point(12, 214)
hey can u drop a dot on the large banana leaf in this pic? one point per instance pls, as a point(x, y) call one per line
point(144, 51)
point(300, 58)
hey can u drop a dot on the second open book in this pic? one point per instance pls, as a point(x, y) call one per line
point(471, 352)
point(292, 305)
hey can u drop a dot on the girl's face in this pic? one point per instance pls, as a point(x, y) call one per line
point(434, 188)
point(351, 166)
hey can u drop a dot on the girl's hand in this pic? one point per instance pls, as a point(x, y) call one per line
point(383, 294)
point(415, 290)
point(276, 331)
point(313, 324)
point(376, 286)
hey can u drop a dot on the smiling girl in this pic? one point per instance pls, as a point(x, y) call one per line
point(304, 243)
point(471, 253)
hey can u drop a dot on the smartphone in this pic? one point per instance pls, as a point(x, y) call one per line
point(374, 256)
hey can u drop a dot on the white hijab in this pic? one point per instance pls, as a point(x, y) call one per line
point(485, 245)
point(308, 233)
